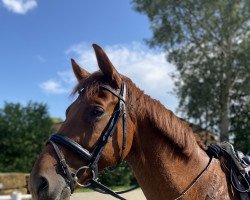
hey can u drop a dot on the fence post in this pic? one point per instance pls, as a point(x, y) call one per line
point(16, 196)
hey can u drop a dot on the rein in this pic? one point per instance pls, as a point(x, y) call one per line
point(195, 180)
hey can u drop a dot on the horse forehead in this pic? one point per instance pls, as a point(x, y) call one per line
point(102, 97)
point(89, 99)
point(95, 92)
point(96, 77)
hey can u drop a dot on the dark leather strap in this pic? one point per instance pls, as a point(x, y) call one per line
point(71, 145)
point(122, 107)
point(69, 179)
point(97, 186)
point(108, 133)
point(112, 91)
point(195, 180)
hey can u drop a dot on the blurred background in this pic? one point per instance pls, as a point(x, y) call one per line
point(193, 56)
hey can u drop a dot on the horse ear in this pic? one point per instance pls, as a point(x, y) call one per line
point(106, 66)
point(79, 72)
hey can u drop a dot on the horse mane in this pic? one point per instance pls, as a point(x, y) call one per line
point(175, 129)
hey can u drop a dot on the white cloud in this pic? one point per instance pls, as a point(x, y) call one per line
point(67, 77)
point(41, 59)
point(19, 6)
point(147, 68)
point(53, 87)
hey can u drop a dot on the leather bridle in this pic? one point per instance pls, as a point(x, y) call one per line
point(93, 157)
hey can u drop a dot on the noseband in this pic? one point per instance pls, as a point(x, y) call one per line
point(93, 157)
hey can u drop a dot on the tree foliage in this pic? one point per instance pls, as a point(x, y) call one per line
point(241, 127)
point(23, 132)
point(209, 42)
point(120, 176)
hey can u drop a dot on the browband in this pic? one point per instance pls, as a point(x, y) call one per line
point(119, 96)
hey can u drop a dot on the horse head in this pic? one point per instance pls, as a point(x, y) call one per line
point(95, 125)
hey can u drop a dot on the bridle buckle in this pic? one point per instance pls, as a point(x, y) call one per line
point(63, 165)
point(80, 169)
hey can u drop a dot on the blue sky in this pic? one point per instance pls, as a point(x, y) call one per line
point(38, 38)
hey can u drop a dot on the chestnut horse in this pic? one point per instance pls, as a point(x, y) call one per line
point(162, 150)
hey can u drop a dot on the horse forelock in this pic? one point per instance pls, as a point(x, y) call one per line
point(91, 85)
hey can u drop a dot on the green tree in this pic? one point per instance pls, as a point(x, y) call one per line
point(23, 132)
point(120, 176)
point(209, 42)
point(241, 127)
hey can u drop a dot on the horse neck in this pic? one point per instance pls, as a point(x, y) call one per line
point(163, 149)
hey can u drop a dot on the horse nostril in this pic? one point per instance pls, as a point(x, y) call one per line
point(43, 184)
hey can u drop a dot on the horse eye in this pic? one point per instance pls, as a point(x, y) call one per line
point(97, 112)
